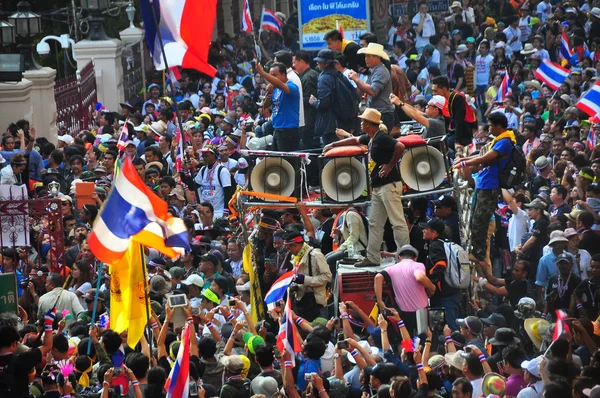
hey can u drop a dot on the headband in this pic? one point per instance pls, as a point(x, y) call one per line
point(297, 239)
point(586, 176)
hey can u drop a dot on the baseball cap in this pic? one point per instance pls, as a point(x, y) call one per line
point(564, 257)
point(194, 279)
point(381, 371)
point(181, 288)
point(439, 102)
point(471, 322)
point(445, 201)
point(532, 366)
point(536, 204)
point(177, 272)
point(252, 341)
point(494, 319)
point(210, 257)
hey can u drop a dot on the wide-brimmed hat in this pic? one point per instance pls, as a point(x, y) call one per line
point(455, 359)
point(158, 128)
point(159, 285)
point(535, 328)
point(572, 216)
point(462, 48)
point(570, 232)
point(374, 49)
point(528, 49)
point(504, 337)
point(371, 115)
point(493, 384)
point(557, 236)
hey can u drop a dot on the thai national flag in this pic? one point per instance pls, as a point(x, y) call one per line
point(504, 89)
point(270, 21)
point(246, 18)
point(278, 289)
point(552, 73)
point(134, 211)
point(591, 140)
point(123, 137)
point(180, 151)
point(590, 101)
point(286, 338)
point(186, 28)
point(565, 50)
point(177, 385)
point(561, 325)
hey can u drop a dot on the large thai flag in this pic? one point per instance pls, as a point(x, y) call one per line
point(590, 101)
point(133, 211)
point(565, 52)
point(504, 89)
point(186, 28)
point(278, 289)
point(286, 338)
point(247, 18)
point(177, 385)
point(552, 73)
point(270, 21)
point(561, 325)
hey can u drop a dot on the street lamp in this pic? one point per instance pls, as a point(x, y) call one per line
point(95, 7)
point(7, 33)
point(27, 24)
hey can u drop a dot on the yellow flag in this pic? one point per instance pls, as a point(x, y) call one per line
point(256, 301)
point(374, 313)
point(128, 296)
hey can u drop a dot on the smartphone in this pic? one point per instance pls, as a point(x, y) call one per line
point(177, 300)
point(385, 312)
point(308, 376)
point(231, 303)
point(279, 304)
point(342, 344)
point(437, 319)
point(193, 389)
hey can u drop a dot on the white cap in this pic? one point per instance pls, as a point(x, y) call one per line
point(532, 366)
point(66, 138)
point(194, 279)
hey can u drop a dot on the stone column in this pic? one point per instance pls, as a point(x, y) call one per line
point(131, 35)
point(42, 101)
point(15, 102)
point(228, 17)
point(108, 68)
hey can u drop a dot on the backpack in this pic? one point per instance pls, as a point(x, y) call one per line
point(470, 116)
point(219, 168)
point(513, 173)
point(7, 379)
point(243, 391)
point(345, 99)
point(458, 267)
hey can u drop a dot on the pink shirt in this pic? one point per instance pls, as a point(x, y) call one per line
point(410, 295)
point(514, 384)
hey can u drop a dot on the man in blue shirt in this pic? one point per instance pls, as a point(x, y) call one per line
point(488, 184)
point(286, 108)
point(547, 265)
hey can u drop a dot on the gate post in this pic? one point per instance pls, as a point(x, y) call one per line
point(43, 102)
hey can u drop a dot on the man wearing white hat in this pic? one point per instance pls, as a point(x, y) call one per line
point(432, 119)
point(379, 84)
point(154, 90)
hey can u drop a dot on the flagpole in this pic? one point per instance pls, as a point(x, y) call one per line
point(99, 278)
point(148, 327)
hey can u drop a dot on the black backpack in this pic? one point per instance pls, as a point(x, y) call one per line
point(345, 99)
point(7, 378)
point(243, 391)
point(513, 173)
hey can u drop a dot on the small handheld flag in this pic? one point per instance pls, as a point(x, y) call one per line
point(590, 101)
point(552, 73)
point(270, 21)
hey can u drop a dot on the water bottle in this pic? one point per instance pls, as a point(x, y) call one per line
point(513, 176)
point(350, 249)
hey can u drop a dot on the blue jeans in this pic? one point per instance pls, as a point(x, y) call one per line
point(451, 304)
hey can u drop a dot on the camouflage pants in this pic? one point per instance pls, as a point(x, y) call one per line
point(486, 201)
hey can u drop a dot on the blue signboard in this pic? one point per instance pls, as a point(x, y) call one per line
point(317, 17)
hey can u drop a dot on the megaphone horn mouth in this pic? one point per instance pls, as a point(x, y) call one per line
point(275, 179)
point(345, 176)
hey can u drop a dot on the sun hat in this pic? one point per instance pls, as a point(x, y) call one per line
point(159, 285)
point(493, 383)
point(374, 49)
point(158, 128)
point(371, 115)
point(455, 359)
point(569, 232)
point(528, 49)
point(557, 236)
point(534, 328)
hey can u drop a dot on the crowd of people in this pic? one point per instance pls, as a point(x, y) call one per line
point(531, 326)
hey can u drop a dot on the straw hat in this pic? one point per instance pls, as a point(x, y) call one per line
point(374, 49)
point(528, 49)
point(534, 328)
point(371, 115)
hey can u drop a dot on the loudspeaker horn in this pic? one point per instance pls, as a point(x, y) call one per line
point(344, 179)
point(273, 175)
point(423, 168)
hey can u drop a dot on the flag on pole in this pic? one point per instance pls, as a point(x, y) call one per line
point(505, 88)
point(339, 28)
point(179, 153)
point(123, 137)
point(278, 289)
point(552, 73)
point(287, 340)
point(186, 28)
point(590, 101)
point(591, 140)
point(177, 385)
point(134, 211)
point(270, 21)
point(561, 325)
point(565, 52)
point(247, 18)
point(128, 297)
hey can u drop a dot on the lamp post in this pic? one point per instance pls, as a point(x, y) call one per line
point(95, 8)
point(7, 33)
point(27, 24)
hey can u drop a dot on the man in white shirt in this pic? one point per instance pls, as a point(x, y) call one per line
point(67, 301)
point(214, 182)
point(513, 34)
point(544, 9)
point(483, 65)
point(512, 113)
point(286, 58)
point(524, 23)
point(424, 26)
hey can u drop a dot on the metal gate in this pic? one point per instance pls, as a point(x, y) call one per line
point(133, 72)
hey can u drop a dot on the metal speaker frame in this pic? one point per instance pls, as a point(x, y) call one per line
point(345, 164)
point(260, 178)
point(440, 144)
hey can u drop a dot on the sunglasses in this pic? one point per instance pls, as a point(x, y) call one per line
point(65, 203)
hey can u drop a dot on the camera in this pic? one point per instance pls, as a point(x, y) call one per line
point(342, 344)
point(25, 283)
point(231, 303)
point(308, 376)
point(385, 312)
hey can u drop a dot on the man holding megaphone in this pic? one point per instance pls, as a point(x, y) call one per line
point(386, 199)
